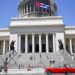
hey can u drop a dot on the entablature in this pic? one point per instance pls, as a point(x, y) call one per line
point(40, 21)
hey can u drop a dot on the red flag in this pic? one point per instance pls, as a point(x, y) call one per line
point(37, 4)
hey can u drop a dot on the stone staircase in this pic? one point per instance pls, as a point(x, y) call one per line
point(13, 62)
point(37, 60)
point(9, 55)
point(68, 59)
point(23, 61)
point(3, 57)
point(1, 60)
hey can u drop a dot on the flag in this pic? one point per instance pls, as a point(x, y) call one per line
point(42, 5)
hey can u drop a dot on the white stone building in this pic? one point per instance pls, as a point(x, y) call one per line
point(35, 33)
point(37, 30)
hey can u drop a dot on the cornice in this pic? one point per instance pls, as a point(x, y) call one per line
point(70, 27)
point(37, 26)
point(4, 29)
point(36, 18)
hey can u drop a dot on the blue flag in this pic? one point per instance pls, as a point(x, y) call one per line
point(42, 5)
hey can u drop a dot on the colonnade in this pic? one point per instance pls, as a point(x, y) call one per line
point(53, 43)
point(70, 45)
point(4, 46)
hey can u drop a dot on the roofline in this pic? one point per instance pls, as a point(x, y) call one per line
point(3, 29)
point(70, 27)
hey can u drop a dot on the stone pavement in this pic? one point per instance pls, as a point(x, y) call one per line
point(36, 74)
point(62, 74)
point(26, 72)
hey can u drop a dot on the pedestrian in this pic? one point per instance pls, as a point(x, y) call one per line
point(1, 69)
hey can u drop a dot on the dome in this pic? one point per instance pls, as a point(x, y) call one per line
point(37, 8)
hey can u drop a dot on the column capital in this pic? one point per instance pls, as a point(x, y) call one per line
point(26, 34)
point(40, 34)
point(33, 33)
point(53, 33)
point(70, 38)
point(19, 34)
point(47, 34)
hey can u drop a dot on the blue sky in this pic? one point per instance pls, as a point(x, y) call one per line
point(8, 9)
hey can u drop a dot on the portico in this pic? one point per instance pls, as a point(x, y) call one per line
point(34, 43)
point(33, 35)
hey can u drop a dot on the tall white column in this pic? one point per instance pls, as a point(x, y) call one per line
point(24, 9)
point(19, 41)
point(54, 43)
point(27, 8)
point(33, 43)
point(3, 47)
point(47, 44)
point(71, 46)
point(40, 43)
point(30, 7)
point(26, 43)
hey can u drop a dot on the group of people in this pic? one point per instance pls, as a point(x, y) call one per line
point(4, 68)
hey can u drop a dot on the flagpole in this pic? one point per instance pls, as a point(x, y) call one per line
point(50, 8)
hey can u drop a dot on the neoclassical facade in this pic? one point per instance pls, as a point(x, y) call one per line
point(40, 38)
point(37, 30)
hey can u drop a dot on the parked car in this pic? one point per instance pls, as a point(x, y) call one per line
point(66, 70)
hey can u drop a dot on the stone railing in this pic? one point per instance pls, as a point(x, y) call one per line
point(8, 57)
